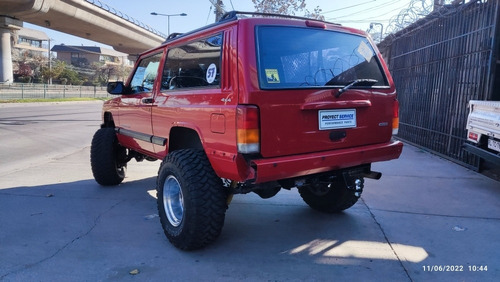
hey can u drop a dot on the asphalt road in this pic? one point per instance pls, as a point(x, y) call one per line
point(33, 133)
point(427, 219)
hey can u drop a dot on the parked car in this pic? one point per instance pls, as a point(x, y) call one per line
point(254, 104)
point(483, 130)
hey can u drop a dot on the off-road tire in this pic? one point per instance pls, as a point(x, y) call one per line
point(107, 158)
point(191, 199)
point(337, 199)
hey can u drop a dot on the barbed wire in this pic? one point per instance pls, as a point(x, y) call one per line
point(418, 9)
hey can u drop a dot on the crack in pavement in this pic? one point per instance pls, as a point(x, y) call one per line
point(438, 215)
point(96, 221)
point(387, 240)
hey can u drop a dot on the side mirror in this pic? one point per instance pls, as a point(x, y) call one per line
point(116, 88)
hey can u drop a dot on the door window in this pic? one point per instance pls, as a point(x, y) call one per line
point(145, 74)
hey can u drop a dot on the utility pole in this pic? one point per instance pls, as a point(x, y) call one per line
point(219, 9)
point(438, 4)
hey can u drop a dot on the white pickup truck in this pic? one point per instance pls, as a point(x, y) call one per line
point(483, 130)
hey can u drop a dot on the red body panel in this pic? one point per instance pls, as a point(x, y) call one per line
point(307, 164)
point(291, 143)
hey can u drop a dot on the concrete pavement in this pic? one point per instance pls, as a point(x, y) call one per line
point(57, 224)
point(427, 219)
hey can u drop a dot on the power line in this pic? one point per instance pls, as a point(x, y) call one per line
point(209, 12)
point(348, 7)
point(372, 8)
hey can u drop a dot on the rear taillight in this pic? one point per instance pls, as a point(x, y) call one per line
point(395, 118)
point(473, 136)
point(248, 129)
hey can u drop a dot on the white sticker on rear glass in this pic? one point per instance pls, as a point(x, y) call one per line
point(365, 51)
point(211, 73)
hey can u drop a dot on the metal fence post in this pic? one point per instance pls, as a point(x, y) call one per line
point(22, 91)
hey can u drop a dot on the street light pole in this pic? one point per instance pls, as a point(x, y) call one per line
point(168, 18)
point(381, 29)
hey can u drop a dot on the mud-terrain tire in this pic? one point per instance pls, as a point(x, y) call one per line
point(333, 200)
point(107, 158)
point(191, 199)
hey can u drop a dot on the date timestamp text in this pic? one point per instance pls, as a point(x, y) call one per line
point(454, 268)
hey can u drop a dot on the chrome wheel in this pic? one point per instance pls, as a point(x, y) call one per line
point(191, 200)
point(173, 201)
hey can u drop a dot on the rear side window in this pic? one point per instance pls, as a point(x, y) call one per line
point(193, 65)
point(294, 57)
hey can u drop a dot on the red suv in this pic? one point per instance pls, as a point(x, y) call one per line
point(254, 104)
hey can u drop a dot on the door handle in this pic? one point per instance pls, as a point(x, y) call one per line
point(147, 100)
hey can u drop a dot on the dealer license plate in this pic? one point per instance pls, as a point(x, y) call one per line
point(335, 119)
point(494, 145)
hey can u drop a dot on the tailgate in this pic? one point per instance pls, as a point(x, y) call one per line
point(319, 122)
point(301, 72)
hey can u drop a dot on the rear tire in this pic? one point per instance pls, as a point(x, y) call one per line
point(332, 198)
point(191, 199)
point(107, 158)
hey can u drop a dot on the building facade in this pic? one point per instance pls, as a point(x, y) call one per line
point(85, 56)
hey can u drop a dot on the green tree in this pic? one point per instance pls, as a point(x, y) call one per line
point(71, 76)
point(61, 71)
point(283, 7)
point(287, 7)
point(55, 71)
point(315, 14)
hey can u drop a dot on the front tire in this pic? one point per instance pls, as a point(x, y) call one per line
point(107, 158)
point(191, 199)
point(333, 197)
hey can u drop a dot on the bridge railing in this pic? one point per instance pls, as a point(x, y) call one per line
point(52, 91)
point(126, 17)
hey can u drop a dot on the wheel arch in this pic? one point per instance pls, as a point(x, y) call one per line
point(108, 120)
point(184, 138)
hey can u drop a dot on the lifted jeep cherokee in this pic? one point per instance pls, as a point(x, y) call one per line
point(253, 104)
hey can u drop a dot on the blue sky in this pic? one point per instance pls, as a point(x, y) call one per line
point(353, 13)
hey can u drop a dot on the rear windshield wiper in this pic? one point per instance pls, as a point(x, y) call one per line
point(363, 81)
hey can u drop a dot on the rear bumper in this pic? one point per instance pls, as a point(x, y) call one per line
point(266, 170)
point(482, 153)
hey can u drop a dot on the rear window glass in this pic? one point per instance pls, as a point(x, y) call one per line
point(293, 57)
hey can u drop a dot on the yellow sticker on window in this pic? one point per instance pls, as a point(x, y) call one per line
point(272, 76)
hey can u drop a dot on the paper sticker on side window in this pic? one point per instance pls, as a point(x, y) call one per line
point(365, 51)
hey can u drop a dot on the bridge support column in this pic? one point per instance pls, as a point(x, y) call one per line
point(6, 26)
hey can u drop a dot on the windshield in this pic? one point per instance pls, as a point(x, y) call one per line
point(293, 57)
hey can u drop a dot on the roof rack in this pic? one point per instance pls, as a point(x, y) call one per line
point(173, 35)
point(233, 16)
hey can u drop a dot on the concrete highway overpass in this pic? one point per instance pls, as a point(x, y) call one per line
point(89, 19)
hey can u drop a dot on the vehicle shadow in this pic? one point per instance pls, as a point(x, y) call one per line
point(107, 231)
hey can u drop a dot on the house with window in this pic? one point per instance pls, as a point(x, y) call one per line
point(30, 43)
point(84, 56)
point(30, 53)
